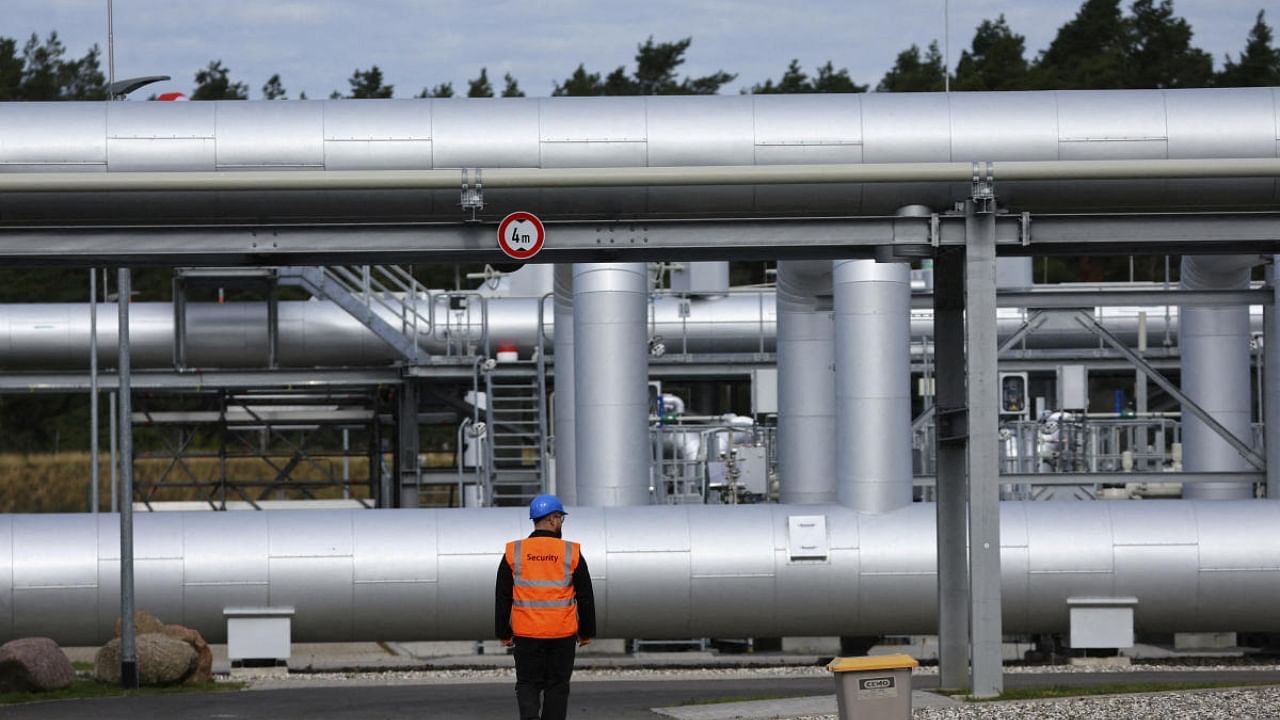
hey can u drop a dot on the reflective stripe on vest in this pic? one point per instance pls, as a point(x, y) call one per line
point(543, 603)
point(568, 569)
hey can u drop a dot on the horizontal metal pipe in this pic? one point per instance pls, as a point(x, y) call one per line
point(48, 336)
point(658, 571)
point(541, 178)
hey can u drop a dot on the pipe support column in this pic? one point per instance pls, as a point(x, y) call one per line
point(1214, 343)
point(986, 628)
point(952, 488)
point(1271, 386)
point(566, 478)
point(806, 383)
point(872, 318)
point(611, 369)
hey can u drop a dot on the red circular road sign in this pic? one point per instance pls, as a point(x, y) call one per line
point(520, 235)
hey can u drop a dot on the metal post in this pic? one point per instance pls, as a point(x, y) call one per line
point(273, 326)
point(986, 630)
point(94, 475)
point(1271, 403)
point(408, 474)
point(114, 466)
point(951, 491)
point(128, 648)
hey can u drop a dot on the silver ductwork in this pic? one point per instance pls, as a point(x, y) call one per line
point(611, 390)
point(872, 303)
point(564, 427)
point(634, 132)
point(659, 572)
point(1214, 343)
point(55, 336)
point(806, 383)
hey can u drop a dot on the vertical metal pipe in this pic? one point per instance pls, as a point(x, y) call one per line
point(872, 318)
point(113, 467)
point(611, 366)
point(1271, 368)
point(94, 473)
point(984, 463)
point(566, 478)
point(408, 480)
point(128, 648)
point(952, 486)
point(1214, 343)
point(806, 383)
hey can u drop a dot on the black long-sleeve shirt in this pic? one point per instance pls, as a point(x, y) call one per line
point(584, 596)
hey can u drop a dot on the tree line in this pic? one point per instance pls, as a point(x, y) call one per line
point(1102, 47)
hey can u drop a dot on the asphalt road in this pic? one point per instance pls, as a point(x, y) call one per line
point(621, 699)
point(624, 700)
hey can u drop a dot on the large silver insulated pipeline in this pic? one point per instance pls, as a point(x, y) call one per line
point(806, 383)
point(659, 572)
point(1214, 343)
point(611, 383)
point(55, 336)
point(564, 427)
point(634, 132)
point(872, 305)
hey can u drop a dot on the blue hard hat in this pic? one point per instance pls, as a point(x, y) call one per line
point(544, 505)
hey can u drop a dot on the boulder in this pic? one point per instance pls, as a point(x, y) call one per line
point(162, 660)
point(144, 623)
point(34, 665)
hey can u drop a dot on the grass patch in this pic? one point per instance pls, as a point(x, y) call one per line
point(730, 699)
point(1062, 691)
point(82, 688)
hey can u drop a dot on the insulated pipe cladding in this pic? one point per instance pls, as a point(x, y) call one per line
point(611, 383)
point(806, 383)
point(1215, 373)
point(872, 304)
point(649, 133)
point(55, 336)
point(659, 572)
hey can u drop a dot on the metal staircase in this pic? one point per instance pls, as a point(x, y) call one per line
point(517, 429)
point(386, 298)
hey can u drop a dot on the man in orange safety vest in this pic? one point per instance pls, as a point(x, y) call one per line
point(545, 608)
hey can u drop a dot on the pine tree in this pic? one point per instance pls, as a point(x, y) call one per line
point(1160, 54)
point(368, 84)
point(996, 60)
point(510, 87)
point(1088, 51)
point(794, 80)
point(214, 83)
point(273, 89)
point(655, 74)
point(480, 87)
point(911, 73)
point(1259, 64)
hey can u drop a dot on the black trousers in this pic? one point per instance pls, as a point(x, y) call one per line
point(543, 669)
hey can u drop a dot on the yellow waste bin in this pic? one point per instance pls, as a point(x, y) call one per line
point(873, 688)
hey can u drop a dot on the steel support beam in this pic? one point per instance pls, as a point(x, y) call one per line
point(632, 241)
point(408, 475)
point(1271, 387)
point(986, 629)
point(128, 641)
point(952, 491)
point(1187, 404)
point(297, 379)
point(1111, 297)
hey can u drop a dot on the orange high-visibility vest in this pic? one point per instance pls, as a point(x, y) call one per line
point(543, 604)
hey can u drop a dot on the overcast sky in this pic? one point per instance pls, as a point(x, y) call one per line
point(315, 45)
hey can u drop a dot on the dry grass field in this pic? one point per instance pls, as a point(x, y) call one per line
point(60, 483)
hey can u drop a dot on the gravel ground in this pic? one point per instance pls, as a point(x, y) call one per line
point(1237, 704)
